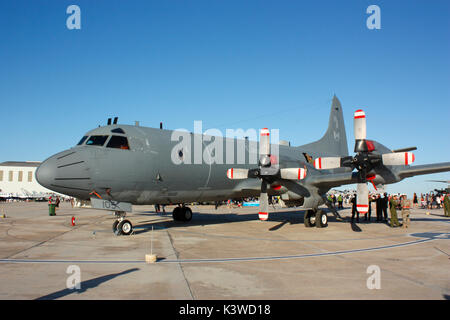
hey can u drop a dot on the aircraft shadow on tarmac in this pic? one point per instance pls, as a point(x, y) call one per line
point(86, 285)
point(204, 219)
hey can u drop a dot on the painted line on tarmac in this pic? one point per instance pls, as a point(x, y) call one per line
point(242, 259)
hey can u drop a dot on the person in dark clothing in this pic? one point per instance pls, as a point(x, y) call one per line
point(369, 213)
point(379, 210)
point(353, 201)
point(384, 206)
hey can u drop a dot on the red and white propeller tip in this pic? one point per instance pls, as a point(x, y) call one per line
point(264, 142)
point(398, 158)
point(359, 125)
point(327, 163)
point(237, 173)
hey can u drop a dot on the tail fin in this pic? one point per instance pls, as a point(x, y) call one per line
point(334, 142)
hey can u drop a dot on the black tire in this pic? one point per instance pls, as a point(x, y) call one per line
point(321, 219)
point(186, 214)
point(176, 214)
point(309, 219)
point(125, 227)
point(114, 226)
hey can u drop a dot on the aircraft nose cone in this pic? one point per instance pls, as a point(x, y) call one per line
point(65, 173)
point(46, 172)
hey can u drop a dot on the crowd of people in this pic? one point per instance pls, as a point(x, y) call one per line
point(393, 202)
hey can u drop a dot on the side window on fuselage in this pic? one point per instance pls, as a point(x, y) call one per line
point(82, 140)
point(118, 142)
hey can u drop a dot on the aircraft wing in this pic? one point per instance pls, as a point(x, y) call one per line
point(331, 180)
point(411, 171)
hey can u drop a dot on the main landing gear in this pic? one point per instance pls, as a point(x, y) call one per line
point(316, 218)
point(122, 226)
point(182, 213)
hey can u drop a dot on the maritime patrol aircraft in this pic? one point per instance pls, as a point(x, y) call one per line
point(120, 165)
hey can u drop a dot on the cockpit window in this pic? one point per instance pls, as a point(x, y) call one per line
point(82, 140)
point(96, 140)
point(118, 130)
point(118, 142)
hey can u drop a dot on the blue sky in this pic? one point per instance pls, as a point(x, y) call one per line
point(231, 64)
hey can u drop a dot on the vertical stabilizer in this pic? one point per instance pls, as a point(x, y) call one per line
point(334, 142)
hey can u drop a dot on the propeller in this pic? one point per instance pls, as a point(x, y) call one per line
point(365, 160)
point(268, 171)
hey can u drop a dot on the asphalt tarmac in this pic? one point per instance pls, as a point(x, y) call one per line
point(221, 254)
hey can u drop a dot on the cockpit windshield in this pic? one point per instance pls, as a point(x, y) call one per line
point(96, 140)
point(82, 140)
point(118, 142)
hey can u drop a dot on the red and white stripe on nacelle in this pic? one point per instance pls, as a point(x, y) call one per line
point(398, 158)
point(263, 216)
point(293, 173)
point(327, 163)
point(234, 173)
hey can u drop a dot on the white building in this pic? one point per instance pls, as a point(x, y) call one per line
point(17, 180)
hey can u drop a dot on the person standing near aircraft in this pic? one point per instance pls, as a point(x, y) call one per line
point(384, 205)
point(393, 208)
point(340, 200)
point(378, 207)
point(354, 210)
point(415, 202)
point(447, 205)
point(368, 214)
point(406, 205)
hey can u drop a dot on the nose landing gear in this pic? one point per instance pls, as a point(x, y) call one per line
point(122, 226)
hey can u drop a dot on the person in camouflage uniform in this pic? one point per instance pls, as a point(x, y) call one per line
point(447, 205)
point(393, 208)
point(406, 205)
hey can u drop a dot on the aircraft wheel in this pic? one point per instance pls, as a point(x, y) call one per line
point(186, 214)
point(176, 214)
point(321, 219)
point(310, 219)
point(125, 227)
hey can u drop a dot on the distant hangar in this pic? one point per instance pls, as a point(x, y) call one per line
point(17, 180)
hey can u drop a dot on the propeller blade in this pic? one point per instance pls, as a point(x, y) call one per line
point(236, 173)
point(264, 148)
point(293, 173)
point(327, 163)
point(359, 125)
point(263, 202)
point(362, 199)
point(397, 159)
point(264, 142)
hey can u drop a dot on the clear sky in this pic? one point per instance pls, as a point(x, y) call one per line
point(231, 64)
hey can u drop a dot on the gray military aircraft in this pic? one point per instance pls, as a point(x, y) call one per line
point(125, 164)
